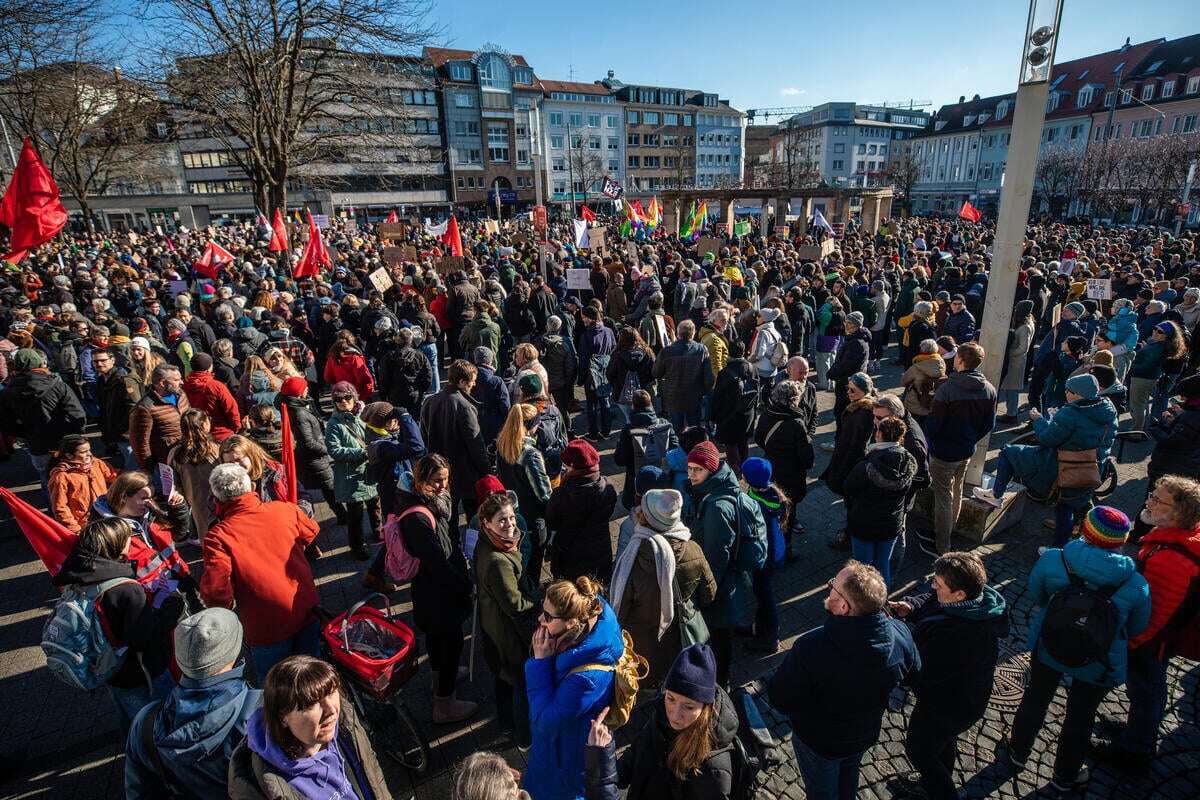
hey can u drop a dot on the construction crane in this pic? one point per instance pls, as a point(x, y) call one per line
point(788, 111)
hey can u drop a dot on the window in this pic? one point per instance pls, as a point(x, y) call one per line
point(560, 187)
point(862, 150)
point(871, 149)
point(1075, 131)
point(462, 128)
point(556, 142)
point(1189, 123)
point(1193, 84)
point(576, 120)
point(593, 143)
point(522, 156)
point(1004, 139)
point(650, 162)
point(613, 165)
point(1050, 133)
point(1126, 96)
point(650, 140)
point(1168, 88)
point(670, 139)
point(494, 72)
point(497, 142)
point(576, 142)
point(650, 117)
point(464, 100)
point(460, 72)
point(558, 165)
point(614, 143)
point(523, 75)
point(633, 139)
point(687, 120)
point(556, 118)
point(496, 100)
point(1002, 110)
point(1085, 97)
point(593, 120)
point(461, 183)
point(1148, 91)
point(632, 118)
point(610, 121)
point(670, 119)
point(839, 148)
point(634, 162)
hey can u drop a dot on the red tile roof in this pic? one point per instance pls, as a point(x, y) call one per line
point(1094, 69)
point(438, 56)
point(573, 86)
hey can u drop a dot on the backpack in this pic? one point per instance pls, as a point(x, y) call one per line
point(779, 355)
point(628, 673)
point(151, 747)
point(402, 565)
point(631, 385)
point(750, 546)
point(1080, 624)
point(78, 652)
point(756, 753)
point(1181, 634)
point(650, 445)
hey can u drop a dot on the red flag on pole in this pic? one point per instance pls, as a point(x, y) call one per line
point(969, 212)
point(50, 540)
point(31, 208)
point(279, 237)
point(315, 255)
point(452, 238)
point(392, 217)
point(289, 456)
point(211, 261)
point(587, 214)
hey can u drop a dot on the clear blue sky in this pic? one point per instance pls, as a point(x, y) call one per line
point(762, 54)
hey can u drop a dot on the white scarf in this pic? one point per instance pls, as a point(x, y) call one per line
point(664, 566)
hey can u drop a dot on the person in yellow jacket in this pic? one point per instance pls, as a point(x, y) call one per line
point(712, 336)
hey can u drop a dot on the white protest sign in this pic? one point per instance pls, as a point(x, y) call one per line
point(578, 279)
point(381, 280)
point(1099, 289)
point(1067, 266)
point(167, 478)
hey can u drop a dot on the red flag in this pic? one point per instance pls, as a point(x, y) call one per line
point(31, 208)
point(211, 261)
point(587, 214)
point(279, 237)
point(50, 540)
point(315, 255)
point(452, 238)
point(969, 212)
point(289, 456)
point(392, 217)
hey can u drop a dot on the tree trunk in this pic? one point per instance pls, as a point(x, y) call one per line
point(86, 210)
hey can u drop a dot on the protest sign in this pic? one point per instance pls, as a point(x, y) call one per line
point(322, 221)
point(177, 287)
point(392, 230)
point(410, 253)
point(708, 244)
point(392, 256)
point(596, 240)
point(380, 278)
point(1099, 289)
point(450, 264)
point(578, 279)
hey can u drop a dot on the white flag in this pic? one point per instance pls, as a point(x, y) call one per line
point(819, 221)
point(581, 233)
point(437, 231)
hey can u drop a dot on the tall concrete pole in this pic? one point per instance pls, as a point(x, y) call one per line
point(1028, 117)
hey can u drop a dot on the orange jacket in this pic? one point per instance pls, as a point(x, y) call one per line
point(73, 490)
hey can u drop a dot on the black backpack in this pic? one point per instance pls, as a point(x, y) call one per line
point(755, 751)
point(1080, 624)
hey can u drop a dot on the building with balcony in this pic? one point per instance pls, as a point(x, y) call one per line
point(583, 140)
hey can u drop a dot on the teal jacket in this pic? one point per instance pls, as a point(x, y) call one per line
point(1082, 425)
point(715, 529)
point(346, 441)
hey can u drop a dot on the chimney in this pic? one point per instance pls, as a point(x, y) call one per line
point(611, 74)
point(962, 98)
point(975, 99)
point(1125, 46)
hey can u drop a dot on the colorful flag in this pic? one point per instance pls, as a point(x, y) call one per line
point(688, 222)
point(279, 237)
point(635, 213)
point(51, 541)
point(288, 456)
point(741, 228)
point(315, 255)
point(31, 208)
point(211, 261)
point(296, 217)
point(587, 214)
point(652, 213)
point(626, 229)
point(700, 221)
point(452, 237)
point(392, 217)
point(581, 233)
point(969, 212)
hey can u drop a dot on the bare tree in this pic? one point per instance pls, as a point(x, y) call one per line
point(93, 127)
point(283, 85)
point(792, 165)
point(1058, 176)
point(903, 172)
point(1167, 159)
point(586, 165)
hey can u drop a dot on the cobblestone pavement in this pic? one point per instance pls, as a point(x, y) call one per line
point(59, 742)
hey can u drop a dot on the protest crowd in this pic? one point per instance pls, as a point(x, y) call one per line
point(190, 398)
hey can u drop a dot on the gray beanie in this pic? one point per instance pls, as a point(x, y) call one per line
point(856, 317)
point(482, 356)
point(662, 508)
point(207, 641)
point(1077, 310)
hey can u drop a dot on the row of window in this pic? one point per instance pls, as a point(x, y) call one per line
point(492, 70)
point(473, 182)
point(498, 152)
point(219, 187)
point(576, 120)
point(652, 118)
point(577, 97)
point(209, 159)
point(720, 138)
point(1183, 123)
point(559, 164)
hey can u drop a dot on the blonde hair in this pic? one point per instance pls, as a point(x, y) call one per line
point(576, 601)
point(527, 352)
point(511, 439)
point(288, 370)
point(242, 446)
point(144, 370)
point(692, 746)
point(256, 364)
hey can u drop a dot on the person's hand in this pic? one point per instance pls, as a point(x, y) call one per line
point(1034, 414)
point(175, 499)
point(599, 735)
point(543, 645)
point(900, 609)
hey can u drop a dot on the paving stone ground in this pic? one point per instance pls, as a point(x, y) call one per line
point(59, 742)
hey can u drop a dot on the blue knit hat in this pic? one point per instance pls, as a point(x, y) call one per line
point(694, 674)
point(648, 477)
point(757, 472)
point(1084, 385)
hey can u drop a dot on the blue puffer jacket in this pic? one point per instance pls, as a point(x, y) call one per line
point(1097, 567)
point(1122, 328)
point(197, 729)
point(562, 706)
point(1082, 425)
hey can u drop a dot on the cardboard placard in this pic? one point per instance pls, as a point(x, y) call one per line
point(450, 264)
point(392, 256)
point(783, 231)
point(322, 221)
point(708, 244)
point(578, 279)
point(410, 253)
point(631, 251)
point(597, 240)
point(815, 252)
point(491, 227)
point(1099, 289)
point(350, 226)
point(520, 238)
point(392, 230)
point(380, 278)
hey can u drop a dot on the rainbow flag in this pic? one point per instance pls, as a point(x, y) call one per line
point(652, 214)
point(635, 214)
point(688, 223)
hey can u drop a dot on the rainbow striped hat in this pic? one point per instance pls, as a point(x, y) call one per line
point(1106, 527)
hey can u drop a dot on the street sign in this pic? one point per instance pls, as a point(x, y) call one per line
point(506, 195)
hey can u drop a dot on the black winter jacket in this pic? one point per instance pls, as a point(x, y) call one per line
point(119, 393)
point(577, 515)
point(853, 435)
point(1177, 451)
point(632, 359)
point(41, 409)
point(314, 467)
point(786, 439)
point(623, 455)
point(442, 589)
point(876, 492)
point(404, 375)
point(735, 400)
point(450, 428)
point(852, 357)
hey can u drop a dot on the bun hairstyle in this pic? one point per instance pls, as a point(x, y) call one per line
point(576, 602)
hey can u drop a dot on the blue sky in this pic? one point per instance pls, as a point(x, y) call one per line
point(758, 55)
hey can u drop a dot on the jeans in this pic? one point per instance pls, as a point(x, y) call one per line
point(1064, 523)
point(877, 554)
point(1140, 391)
point(766, 613)
point(41, 465)
point(130, 701)
point(932, 747)
point(305, 642)
point(682, 420)
point(431, 354)
point(824, 362)
point(1012, 402)
point(1004, 474)
point(721, 642)
point(947, 479)
point(1146, 687)
point(599, 413)
point(827, 778)
point(1082, 701)
point(128, 462)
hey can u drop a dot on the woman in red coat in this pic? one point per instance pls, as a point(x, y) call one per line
point(346, 363)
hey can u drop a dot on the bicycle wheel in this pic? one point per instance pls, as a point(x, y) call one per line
point(1109, 484)
point(402, 739)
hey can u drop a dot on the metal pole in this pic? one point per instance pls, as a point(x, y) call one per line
point(496, 192)
point(11, 155)
point(535, 155)
point(1187, 190)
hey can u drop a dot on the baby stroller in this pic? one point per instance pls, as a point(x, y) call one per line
point(376, 655)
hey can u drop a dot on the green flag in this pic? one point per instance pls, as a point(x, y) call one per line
point(689, 222)
point(741, 228)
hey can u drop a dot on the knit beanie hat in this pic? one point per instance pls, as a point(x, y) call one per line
point(1105, 526)
point(294, 386)
point(705, 455)
point(1077, 310)
point(648, 477)
point(661, 508)
point(693, 674)
point(202, 362)
point(856, 317)
point(343, 389)
point(207, 641)
point(757, 472)
point(27, 358)
point(1083, 385)
point(863, 381)
point(140, 341)
point(1165, 328)
point(530, 385)
point(487, 486)
point(579, 454)
point(378, 413)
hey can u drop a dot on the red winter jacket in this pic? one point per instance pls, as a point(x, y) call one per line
point(254, 555)
point(1169, 574)
point(437, 307)
point(352, 368)
point(208, 394)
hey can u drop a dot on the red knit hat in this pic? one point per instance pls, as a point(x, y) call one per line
point(580, 455)
point(487, 486)
point(705, 455)
point(294, 386)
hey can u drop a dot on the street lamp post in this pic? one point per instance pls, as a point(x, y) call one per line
point(1037, 59)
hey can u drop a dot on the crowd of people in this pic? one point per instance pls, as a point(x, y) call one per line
point(186, 427)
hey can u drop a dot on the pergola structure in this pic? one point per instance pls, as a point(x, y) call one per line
point(876, 203)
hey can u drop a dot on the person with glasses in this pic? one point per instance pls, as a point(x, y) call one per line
point(118, 392)
point(836, 679)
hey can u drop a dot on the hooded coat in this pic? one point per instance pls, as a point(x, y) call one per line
point(41, 409)
point(876, 492)
point(506, 610)
point(857, 424)
point(715, 526)
point(920, 382)
point(206, 393)
point(1081, 425)
point(314, 467)
point(562, 705)
point(577, 516)
point(441, 589)
point(351, 367)
point(785, 434)
point(73, 490)
point(196, 730)
point(346, 441)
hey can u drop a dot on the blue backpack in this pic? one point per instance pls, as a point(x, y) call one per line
point(77, 651)
point(750, 546)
